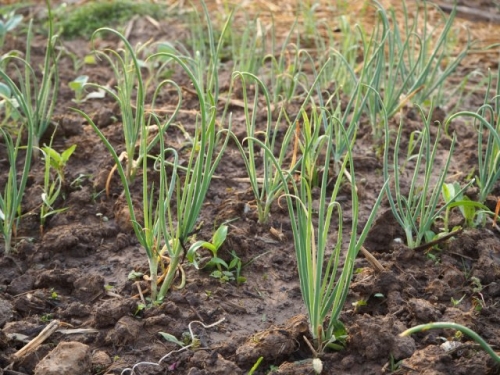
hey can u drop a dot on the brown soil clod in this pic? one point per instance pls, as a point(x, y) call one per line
point(273, 343)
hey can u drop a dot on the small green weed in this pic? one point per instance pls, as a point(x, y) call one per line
point(224, 272)
point(84, 19)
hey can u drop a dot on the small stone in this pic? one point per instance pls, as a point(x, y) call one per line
point(88, 287)
point(100, 361)
point(109, 312)
point(217, 364)
point(126, 331)
point(21, 284)
point(424, 311)
point(103, 117)
point(67, 358)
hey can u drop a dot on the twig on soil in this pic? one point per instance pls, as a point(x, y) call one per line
point(493, 226)
point(193, 342)
point(313, 351)
point(472, 13)
point(372, 260)
point(438, 241)
point(128, 29)
point(37, 341)
point(77, 331)
point(140, 293)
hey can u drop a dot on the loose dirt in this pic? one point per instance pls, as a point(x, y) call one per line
point(77, 270)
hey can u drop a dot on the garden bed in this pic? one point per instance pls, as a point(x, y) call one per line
point(76, 268)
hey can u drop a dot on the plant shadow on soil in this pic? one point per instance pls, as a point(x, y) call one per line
point(77, 270)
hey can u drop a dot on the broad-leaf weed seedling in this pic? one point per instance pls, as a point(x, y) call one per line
point(224, 272)
point(53, 185)
point(189, 340)
point(77, 85)
point(453, 196)
point(213, 246)
point(58, 161)
point(8, 23)
point(9, 108)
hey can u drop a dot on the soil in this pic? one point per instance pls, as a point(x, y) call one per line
point(77, 270)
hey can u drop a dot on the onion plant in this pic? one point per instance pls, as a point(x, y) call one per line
point(418, 62)
point(208, 143)
point(286, 68)
point(16, 179)
point(402, 61)
point(247, 46)
point(346, 50)
point(168, 223)
point(324, 282)
point(417, 210)
point(487, 122)
point(38, 95)
point(152, 233)
point(13, 190)
point(129, 83)
point(268, 186)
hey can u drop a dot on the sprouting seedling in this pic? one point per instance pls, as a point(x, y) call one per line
point(53, 186)
point(58, 160)
point(78, 86)
point(232, 271)
point(467, 331)
point(218, 239)
point(453, 197)
point(9, 106)
point(224, 272)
